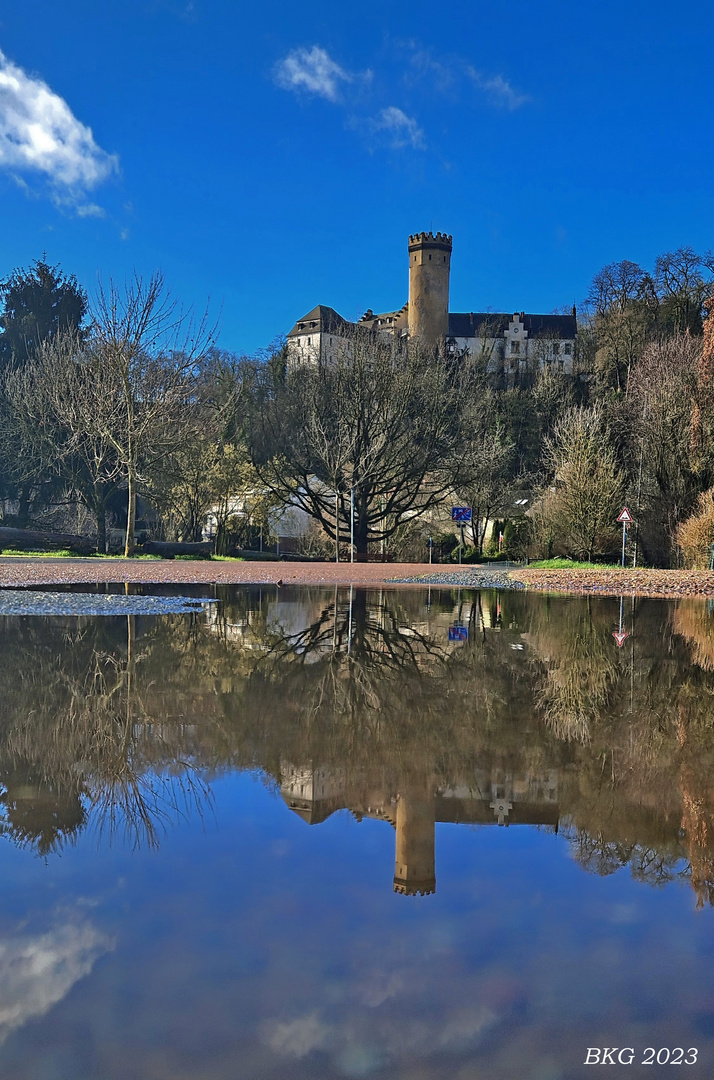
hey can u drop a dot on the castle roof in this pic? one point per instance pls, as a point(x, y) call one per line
point(462, 324)
point(493, 324)
point(320, 319)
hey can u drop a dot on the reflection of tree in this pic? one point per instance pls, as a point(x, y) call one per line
point(601, 856)
point(694, 620)
point(120, 723)
point(697, 810)
point(36, 813)
point(78, 721)
point(578, 668)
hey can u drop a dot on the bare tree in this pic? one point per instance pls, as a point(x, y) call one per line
point(621, 318)
point(150, 354)
point(669, 402)
point(588, 483)
point(489, 456)
point(380, 419)
point(684, 281)
point(56, 399)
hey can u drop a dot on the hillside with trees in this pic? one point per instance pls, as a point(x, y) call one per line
point(125, 409)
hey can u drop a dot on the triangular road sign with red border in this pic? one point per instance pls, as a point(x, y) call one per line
point(619, 636)
point(626, 517)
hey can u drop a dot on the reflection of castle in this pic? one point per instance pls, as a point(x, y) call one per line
point(497, 796)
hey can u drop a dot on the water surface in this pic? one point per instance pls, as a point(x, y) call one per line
point(319, 834)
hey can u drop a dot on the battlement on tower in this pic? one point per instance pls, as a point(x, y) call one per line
point(407, 889)
point(428, 239)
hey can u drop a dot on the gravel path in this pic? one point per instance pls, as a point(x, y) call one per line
point(667, 583)
point(467, 577)
point(17, 572)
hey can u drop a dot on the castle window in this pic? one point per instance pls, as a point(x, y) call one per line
point(430, 258)
point(309, 340)
point(567, 348)
point(556, 348)
point(515, 347)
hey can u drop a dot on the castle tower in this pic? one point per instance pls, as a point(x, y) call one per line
point(429, 267)
point(414, 870)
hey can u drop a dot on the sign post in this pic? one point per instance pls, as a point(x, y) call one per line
point(461, 515)
point(352, 524)
point(626, 519)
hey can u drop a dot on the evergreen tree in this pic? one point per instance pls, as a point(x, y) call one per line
point(38, 303)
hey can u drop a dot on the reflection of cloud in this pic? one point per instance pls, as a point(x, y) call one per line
point(296, 1038)
point(358, 1059)
point(358, 1045)
point(38, 971)
point(624, 914)
point(465, 1028)
point(379, 987)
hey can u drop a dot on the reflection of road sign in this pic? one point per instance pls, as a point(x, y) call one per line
point(458, 633)
point(461, 513)
point(625, 517)
point(619, 636)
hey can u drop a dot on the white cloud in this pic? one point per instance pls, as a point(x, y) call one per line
point(440, 74)
point(402, 130)
point(90, 210)
point(40, 134)
point(38, 971)
point(312, 70)
point(498, 89)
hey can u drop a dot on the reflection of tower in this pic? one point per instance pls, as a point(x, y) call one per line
point(429, 267)
point(414, 871)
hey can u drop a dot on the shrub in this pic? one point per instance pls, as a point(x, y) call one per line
point(516, 538)
point(696, 535)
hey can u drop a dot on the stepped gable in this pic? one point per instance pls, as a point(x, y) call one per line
point(465, 324)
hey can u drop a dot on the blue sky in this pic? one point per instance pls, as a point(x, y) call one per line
point(273, 156)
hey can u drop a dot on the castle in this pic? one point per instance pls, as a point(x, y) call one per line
point(510, 344)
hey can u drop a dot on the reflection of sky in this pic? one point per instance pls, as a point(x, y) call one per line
point(255, 946)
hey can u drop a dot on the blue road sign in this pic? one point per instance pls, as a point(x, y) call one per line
point(458, 633)
point(461, 514)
